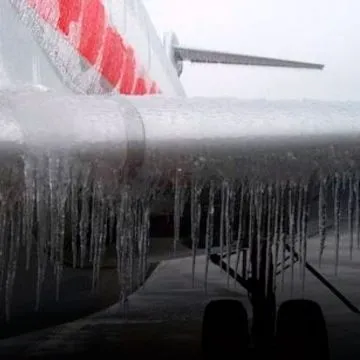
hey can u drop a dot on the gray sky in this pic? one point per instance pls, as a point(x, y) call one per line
point(325, 31)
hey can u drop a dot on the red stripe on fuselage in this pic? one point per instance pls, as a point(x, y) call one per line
point(98, 42)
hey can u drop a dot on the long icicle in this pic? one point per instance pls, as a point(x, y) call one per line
point(322, 217)
point(195, 223)
point(209, 231)
point(283, 235)
point(300, 214)
point(277, 233)
point(292, 232)
point(227, 232)
point(251, 224)
point(15, 232)
point(239, 235)
point(357, 208)
point(269, 238)
point(259, 219)
point(304, 235)
point(350, 215)
point(337, 219)
point(177, 211)
point(222, 218)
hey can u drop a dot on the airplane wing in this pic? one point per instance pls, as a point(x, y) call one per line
point(217, 57)
point(263, 153)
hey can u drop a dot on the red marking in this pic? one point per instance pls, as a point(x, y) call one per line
point(69, 12)
point(118, 59)
point(140, 86)
point(92, 30)
point(113, 57)
point(128, 79)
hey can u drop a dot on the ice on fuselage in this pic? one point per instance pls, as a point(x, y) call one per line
point(65, 186)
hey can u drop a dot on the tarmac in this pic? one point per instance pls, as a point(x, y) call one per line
point(163, 318)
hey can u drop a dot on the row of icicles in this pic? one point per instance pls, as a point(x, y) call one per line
point(65, 215)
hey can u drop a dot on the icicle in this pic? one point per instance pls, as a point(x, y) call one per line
point(222, 218)
point(119, 263)
point(42, 190)
point(350, 215)
point(121, 241)
point(195, 223)
point(74, 216)
point(59, 179)
point(357, 208)
point(183, 198)
point(259, 220)
point(143, 253)
point(304, 235)
point(209, 230)
point(282, 234)
point(84, 225)
point(298, 223)
point(95, 226)
point(99, 216)
point(322, 217)
point(292, 232)
point(239, 235)
point(15, 233)
point(141, 242)
point(147, 237)
point(3, 242)
point(53, 210)
point(29, 208)
point(337, 219)
point(130, 239)
point(232, 200)
point(251, 224)
point(177, 210)
point(277, 233)
point(112, 218)
point(269, 238)
point(343, 181)
point(227, 232)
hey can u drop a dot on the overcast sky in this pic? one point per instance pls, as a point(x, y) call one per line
point(324, 31)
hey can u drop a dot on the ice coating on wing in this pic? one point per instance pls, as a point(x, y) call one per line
point(64, 178)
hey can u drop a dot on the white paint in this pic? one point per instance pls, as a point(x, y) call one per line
point(132, 22)
point(57, 63)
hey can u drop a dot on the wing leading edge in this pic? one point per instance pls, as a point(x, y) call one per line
point(217, 57)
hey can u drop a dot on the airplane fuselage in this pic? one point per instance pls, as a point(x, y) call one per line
point(91, 47)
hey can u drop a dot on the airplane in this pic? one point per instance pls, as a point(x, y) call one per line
point(99, 47)
point(124, 55)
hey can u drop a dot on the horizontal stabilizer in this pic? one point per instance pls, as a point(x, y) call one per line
point(216, 57)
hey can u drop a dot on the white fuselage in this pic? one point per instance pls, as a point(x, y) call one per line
point(92, 46)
